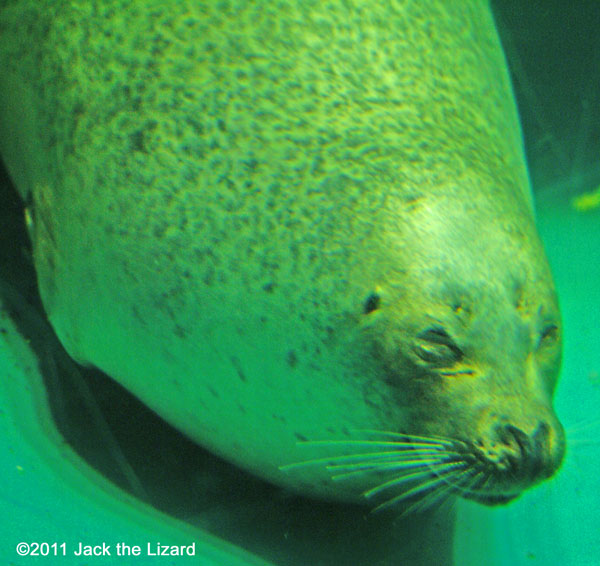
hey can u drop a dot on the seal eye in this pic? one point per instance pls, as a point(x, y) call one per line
point(435, 346)
point(372, 303)
point(548, 336)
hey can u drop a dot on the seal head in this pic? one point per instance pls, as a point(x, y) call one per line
point(468, 333)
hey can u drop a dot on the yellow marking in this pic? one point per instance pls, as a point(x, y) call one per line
point(587, 201)
point(29, 219)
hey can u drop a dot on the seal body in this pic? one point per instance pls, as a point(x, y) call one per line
point(289, 222)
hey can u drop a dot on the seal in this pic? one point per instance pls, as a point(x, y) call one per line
point(301, 232)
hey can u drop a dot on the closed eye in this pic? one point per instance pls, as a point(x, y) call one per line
point(435, 334)
point(549, 335)
point(434, 345)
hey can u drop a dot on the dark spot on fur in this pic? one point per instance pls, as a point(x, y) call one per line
point(372, 303)
point(300, 437)
point(269, 287)
point(250, 164)
point(291, 358)
point(279, 418)
point(238, 368)
point(78, 108)
point(213, 392)
point(413, 201)
point(179, 331)
point(412, 198)
point(221, 125)
point(159, 230)
point(242, 408)
point(195, 124)
point(136, 139)
point(330, 333)
point(231, 186)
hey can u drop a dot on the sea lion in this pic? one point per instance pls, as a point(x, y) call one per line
point(301, 232)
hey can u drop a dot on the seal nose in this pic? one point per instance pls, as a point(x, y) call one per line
point(529, 457)
point(525, 453)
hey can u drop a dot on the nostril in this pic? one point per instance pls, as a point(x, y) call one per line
point(530, 459)
point(519, 444)
point(509, 450)
point(500, 450)
point(513, 438)
point(512, 451)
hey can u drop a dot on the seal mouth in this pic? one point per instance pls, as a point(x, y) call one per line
point(490, 500)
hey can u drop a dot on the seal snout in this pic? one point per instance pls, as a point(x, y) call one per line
point(517, 453)
point(515, 459)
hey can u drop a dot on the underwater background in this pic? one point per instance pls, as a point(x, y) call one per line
point(47, 494)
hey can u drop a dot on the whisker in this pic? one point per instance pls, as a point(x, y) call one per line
point(433, 439)
point(440, 492)
point(428, 470)
point(400, 449)
point(386, 467)
point(460, 477)
point(462, 489)
point(397, 481)
point(400, 459)
point(436, 480)
point(401, 454)
point(420, 444)
point(365, 457)
point(468, 471)
point(472, 486)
